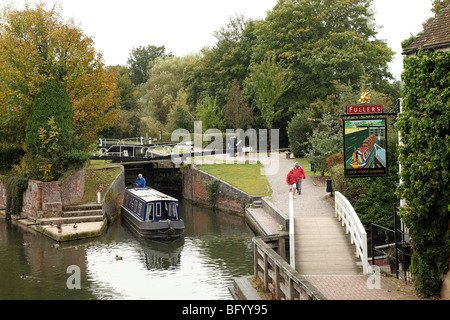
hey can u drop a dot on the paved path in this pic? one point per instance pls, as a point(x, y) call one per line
point(321, 245)
point(324, 254)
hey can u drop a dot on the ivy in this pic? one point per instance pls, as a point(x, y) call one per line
point(424, 156)
point(211, 191)
point(15, 187)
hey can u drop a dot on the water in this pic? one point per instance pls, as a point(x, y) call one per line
point(216, 248)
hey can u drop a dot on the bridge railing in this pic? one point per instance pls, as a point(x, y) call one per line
point(344, 212)
point(278, 277)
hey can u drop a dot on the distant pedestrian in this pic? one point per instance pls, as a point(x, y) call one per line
point(140, 181)
point(299, 176)
point(231, 145)
point(290, 179)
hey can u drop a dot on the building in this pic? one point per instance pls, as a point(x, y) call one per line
point(436, 35)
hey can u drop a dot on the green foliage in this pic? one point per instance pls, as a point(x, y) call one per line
point(237, 113)
point(325, 140)
point(267, 82)
point(299, 128)
point(425, 154)
point(53, 148)
point(324, 42)
point(210, 114)
point(51, 103)
point(140, 59)
point(211, 191)
point(9, 155)
point(15, 187)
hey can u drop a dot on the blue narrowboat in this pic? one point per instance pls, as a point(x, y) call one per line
point(151, 213)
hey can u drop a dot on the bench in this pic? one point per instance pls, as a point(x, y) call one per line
point(288, 154)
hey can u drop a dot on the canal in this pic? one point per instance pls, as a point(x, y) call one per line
point(216, 248)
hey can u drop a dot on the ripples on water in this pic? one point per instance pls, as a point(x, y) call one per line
point(215, 249)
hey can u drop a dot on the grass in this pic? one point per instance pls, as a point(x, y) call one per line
point(100, 164)
point(99, 175)
point(246, 177)
point(303, 162)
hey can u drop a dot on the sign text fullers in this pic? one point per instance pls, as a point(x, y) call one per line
point(365, 109)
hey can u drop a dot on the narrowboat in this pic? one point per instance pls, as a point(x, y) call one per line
point(363, 156)
point(151, 213)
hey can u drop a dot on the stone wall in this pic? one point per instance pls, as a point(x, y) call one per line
point(228, 198)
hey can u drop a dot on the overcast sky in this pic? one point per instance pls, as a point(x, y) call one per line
point(185, 26)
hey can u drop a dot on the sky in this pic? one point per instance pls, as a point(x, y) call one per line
point(186, 26)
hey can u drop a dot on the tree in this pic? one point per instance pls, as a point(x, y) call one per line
point(268, 81)
point(299, 128)
point(323, 41)
point(165, 79)
point(237, 113)
point(219, 65)
point(140, 59)
point(180, 116)
point(325, 141)
point(209, 113)
point(37, 45)
point(51, 103)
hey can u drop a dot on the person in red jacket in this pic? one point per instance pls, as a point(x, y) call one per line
point(299, 175)
point(290, 179)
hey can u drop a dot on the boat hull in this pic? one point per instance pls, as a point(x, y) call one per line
point(163, 229)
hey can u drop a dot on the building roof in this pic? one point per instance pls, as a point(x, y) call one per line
point(436, 35)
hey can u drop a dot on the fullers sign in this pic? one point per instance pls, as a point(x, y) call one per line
point(365, 109)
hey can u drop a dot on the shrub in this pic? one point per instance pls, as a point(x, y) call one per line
point(298, 130)
point(51, 103)
point(15, 187)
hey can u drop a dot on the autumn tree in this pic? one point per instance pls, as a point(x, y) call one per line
point(37, 45)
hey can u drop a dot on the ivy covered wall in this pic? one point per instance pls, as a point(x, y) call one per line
point(424, 157)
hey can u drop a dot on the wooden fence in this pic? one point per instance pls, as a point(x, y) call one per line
point(278, 277)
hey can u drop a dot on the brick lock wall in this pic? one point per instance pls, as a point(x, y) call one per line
point(50, 197)
point(229, 198)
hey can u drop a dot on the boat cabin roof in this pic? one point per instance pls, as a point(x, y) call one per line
point(150, 195)
point(363, 149)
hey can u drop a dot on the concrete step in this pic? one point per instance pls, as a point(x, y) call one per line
point(70, 220)
point(83, 207)
point(257, 204)
point(80, 213)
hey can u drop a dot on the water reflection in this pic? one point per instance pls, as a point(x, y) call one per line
point(201, 265)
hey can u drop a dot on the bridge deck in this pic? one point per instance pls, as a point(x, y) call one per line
point(321, 245)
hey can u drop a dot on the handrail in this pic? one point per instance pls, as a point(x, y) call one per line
point(344, 212)
point(277, 276)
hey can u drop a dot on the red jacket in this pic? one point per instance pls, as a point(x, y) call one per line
point(299, 173)
point(290, 179)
